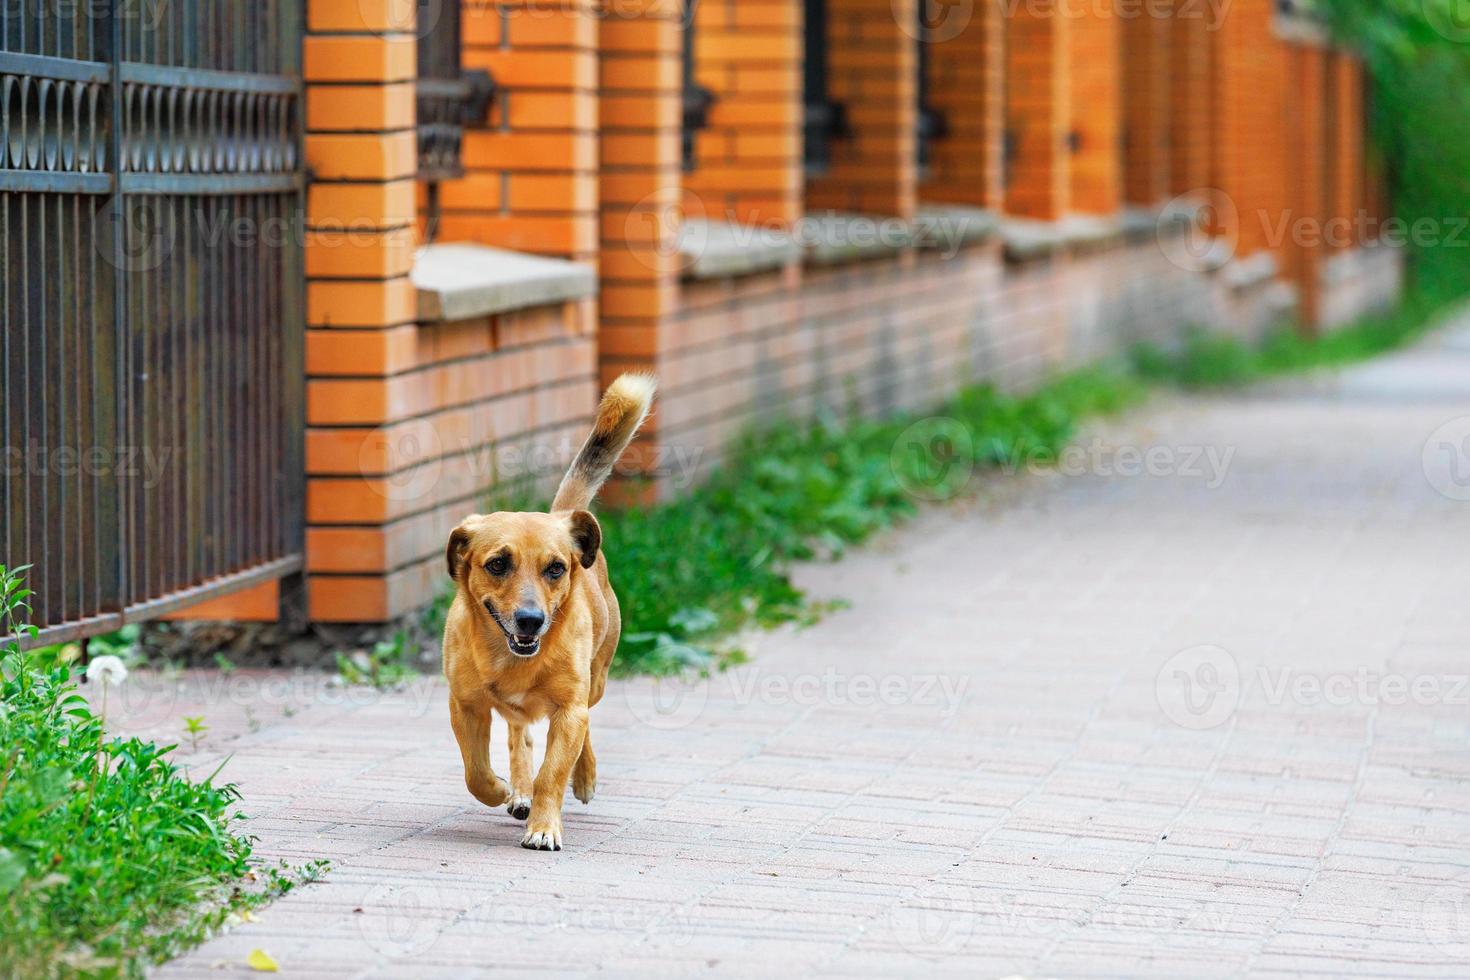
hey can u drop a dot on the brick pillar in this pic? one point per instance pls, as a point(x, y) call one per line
point(873, 58)
point(1191, 102)
point(1038, 112)
point(1303, 247)
point(1147, 95)
point(360, 146)
point(1349, 152)
point(1096, 126)
point(749, 159)
point(1251, 81)
point(967, 84)
point(640, 74)
point(531, 174)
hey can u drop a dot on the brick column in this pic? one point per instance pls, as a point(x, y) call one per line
point(360, 146)
point(1147, 94)
point(1191, 102)
point(1251, 139)
point(749, 159)
point(640, 74)
point(1038, 112)
point(967, 84)
point(1096, 126)
point(1348, 202)
point(531, 173)
point(1309, 199)
point(873, 58)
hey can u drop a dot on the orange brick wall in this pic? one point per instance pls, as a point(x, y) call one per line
point(1038, 113)
point(1252, 98)
point(748, 162)
point(885, 335)
point(1096, 111)
point(1147, 94)
point(872, 65)
point(1192, 116)
point(1348, 149)
point(531, 172)
point(360, 65)
point(408, 438)
point(1308, 198)
point(967, 84)
point(640, 71)
point(412, 425)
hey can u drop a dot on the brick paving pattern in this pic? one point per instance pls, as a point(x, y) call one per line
point(1182, 723)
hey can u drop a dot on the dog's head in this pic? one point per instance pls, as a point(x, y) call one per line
point(518, 568)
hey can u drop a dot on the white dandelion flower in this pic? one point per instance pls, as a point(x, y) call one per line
point(107, 670)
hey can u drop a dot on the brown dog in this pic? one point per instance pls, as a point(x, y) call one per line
point(533, 629)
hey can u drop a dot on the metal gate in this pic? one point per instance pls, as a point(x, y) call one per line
point(150, 193)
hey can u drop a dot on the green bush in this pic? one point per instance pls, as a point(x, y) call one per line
point(109, 856)
point(1419, 66)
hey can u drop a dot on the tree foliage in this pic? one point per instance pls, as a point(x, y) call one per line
point(1418, 54)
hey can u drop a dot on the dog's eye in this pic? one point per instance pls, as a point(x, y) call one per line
point(556, 570)
point(498, 565)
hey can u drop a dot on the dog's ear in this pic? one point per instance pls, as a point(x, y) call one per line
point(454, 555)
point(586, 535)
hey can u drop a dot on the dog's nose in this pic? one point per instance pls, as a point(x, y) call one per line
point(529, 621)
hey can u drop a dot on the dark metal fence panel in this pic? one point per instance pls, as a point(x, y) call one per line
point(447, 99)
point(153, 411)
point(441, 92)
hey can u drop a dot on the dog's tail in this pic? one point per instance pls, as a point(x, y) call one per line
point(623, 408)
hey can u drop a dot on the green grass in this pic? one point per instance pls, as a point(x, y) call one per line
point(110, 857)
point(1207, 360)
point(691, 572)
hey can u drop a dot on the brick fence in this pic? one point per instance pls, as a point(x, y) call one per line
point(1002, 193)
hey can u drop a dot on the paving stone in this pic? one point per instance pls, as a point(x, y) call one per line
point(1061, 808)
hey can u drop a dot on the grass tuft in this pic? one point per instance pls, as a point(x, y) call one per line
point(110, 857)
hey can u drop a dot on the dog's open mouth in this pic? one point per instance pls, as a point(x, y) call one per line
point(523, 646)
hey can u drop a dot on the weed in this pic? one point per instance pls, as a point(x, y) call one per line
point(104, 868)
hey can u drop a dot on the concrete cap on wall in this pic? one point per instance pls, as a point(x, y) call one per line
point(462, 280)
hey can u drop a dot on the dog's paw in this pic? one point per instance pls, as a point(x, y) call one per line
point(492, 794)
point(584, 789)
point(543, 839)
point(519, 806)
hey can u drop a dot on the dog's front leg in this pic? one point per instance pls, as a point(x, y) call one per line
point(471, 725)
point(521, 777)
point(564, 741)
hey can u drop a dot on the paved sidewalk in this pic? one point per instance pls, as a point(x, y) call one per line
point(1183, 723)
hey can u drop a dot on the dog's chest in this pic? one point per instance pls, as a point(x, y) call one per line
point(521, 705)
